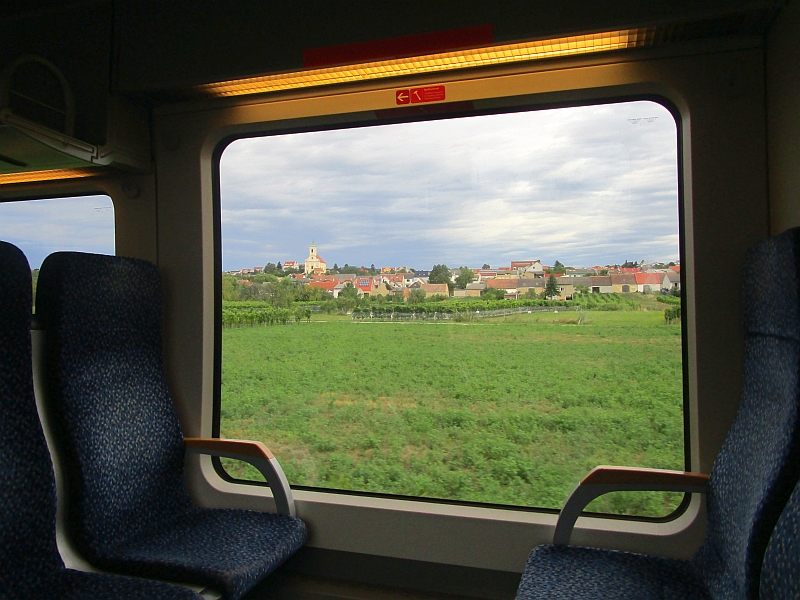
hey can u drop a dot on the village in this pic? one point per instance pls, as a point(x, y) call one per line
point(522, 278)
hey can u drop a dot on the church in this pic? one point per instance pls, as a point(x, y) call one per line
point(314, 263)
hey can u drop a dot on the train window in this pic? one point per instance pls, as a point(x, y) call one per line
point(475, 309)
point(41, 227)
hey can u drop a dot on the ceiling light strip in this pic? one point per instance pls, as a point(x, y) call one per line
point(50, 175)
point(431, 63)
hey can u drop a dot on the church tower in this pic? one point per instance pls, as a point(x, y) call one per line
point(314, 262)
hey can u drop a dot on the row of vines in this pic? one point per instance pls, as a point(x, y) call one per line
point(264, 315)
point(237, 314)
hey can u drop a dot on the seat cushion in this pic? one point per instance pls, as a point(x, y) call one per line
point(571, 572)
point(66, 584)
point(228, 550)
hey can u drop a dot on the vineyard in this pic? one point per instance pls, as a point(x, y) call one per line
point(252, 313)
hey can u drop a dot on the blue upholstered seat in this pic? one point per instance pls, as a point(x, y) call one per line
point(780, 573)
point(124, 450)
point(30, 565)
point(751, 480)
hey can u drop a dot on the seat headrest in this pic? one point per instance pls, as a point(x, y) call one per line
point(771, 302)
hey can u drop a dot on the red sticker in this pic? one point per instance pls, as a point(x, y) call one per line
point(432, 93)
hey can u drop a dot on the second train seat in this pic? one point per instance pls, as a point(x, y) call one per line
point(124, 451)
point(30, 565)
point(780, 572)
point(750, 482)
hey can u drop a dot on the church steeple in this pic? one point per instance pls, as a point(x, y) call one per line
point(314, 262)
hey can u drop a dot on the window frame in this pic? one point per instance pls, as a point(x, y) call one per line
point(504, 104)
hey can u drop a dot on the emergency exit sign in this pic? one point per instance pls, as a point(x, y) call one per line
point(431, 93)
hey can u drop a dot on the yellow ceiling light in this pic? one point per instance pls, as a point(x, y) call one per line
point(432, 63)
point(49, 175)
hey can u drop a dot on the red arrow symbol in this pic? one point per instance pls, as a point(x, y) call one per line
point(402, 97)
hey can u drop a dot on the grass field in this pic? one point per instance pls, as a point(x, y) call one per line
point(512, 411)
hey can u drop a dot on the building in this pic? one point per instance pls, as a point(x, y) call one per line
point(473, 290)
point(649, 282)
point(314, 263)
point(624, 283)
point(431, 289)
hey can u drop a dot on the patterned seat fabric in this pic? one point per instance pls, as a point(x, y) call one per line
point(752, 477)
point(780, 574)
point(122, 442)
point(30, 565)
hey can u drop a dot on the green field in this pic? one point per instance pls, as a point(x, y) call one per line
point(511, 411)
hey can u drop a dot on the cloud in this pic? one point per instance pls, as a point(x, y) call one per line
point(40, 227)
point(585, 185)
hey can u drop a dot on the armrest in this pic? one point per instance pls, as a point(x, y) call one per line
point(258, 455)
point(603, 480)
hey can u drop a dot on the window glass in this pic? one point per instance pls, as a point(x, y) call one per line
point(41, 227)
point(475, 309)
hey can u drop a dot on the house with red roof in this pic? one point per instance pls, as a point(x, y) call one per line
point(649, 283)
point(323, 285)
point(502, 283)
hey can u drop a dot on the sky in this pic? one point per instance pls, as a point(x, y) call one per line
point(40, 227)
point(585, 185)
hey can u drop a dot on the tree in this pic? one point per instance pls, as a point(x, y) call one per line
point(493, 294)
point(551, 289)
point(349, 291)
point(441, 274)
point(486, 266)
point(559, 268)
point(279, 266)
point(629, 265)
point(335, 267)
point(281, 293)
point(416, 295)
point(270, 268)
point(465, 277)
point(230, 287)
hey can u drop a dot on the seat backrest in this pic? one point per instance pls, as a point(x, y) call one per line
point(27, 484)
point(759, 463)
point(780, 573)
point(116, 424)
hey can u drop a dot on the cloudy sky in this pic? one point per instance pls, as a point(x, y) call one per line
point(588, 185)
point(40, 227)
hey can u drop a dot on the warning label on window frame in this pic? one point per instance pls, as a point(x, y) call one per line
point(431, 93)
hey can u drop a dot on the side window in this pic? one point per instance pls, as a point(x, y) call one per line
point(41, 227)
point(477, 309)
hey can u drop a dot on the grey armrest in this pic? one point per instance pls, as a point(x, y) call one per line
point(603, 480)
point(258, 455)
